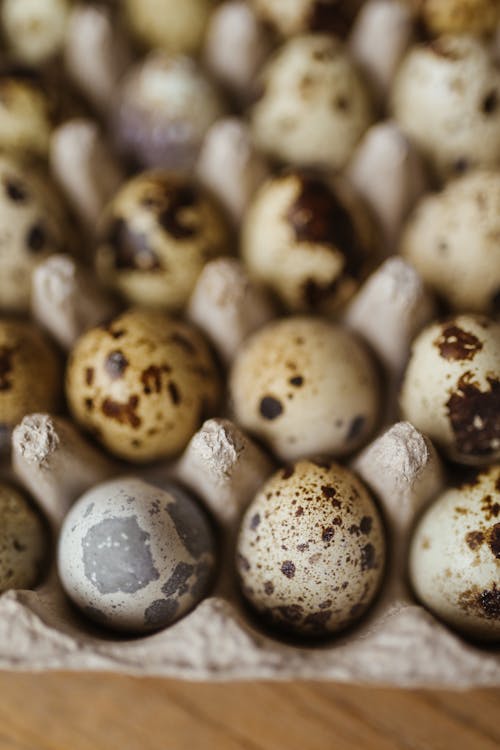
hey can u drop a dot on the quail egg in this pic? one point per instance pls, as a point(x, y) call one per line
point(156, 235)
point(142, 384)
point(326, 16)
point(134, 557)
point(314, 107)
point(305, 386)
point(169, 24)
point(458, 16)
point(311, 549)
point(23, 541)
point(310, 241)
point(30, 373)
point(26, 114)
point(452, 239)
point(35, 29)
point(451, 388)
point(455, 556)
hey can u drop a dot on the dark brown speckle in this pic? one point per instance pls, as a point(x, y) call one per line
point(270, 407)
point(456, 344)
point(288, 569)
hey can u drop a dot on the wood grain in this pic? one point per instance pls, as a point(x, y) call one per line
point(94, 711)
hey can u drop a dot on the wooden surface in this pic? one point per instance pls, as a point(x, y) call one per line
point(97, 712)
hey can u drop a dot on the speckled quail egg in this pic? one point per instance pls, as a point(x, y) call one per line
point(165, 105)
point(30, 373)
point(455, 556)
point(26, 114)
point(311, 241)
point(452, 239)
point(290, 17)
point(156, 236)
point(23, 541)
point(34, 29)
point(133, 557)
point(314, 107)
point(458, 16)
point(311, 549)
point(446, 96)
point(142, 384)
point(305, 386)
point(169, 24)
point(32, 226)
point(451, 388)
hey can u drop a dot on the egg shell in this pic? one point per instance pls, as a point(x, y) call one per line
point(26, 115)
point(142, 384)
point(134, 557)
point(311, 549)
point(458, 16)
point(168, 24)
point(23, 541)
point(30, 373)
point(314, 107)
point(32, 227)
point(155, 237)
point(445, 97)
point(451, 388)
point(309, 239)
point(290, 18)
point(164, 106)
point(455, 556)
point(305, 386)
point(35, 29)
point(452, 241)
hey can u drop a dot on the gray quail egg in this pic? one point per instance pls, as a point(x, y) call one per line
point(30, 373)
point(32, 227)
point(142, 384)
point(169, 24)
point(458, 16)
point(451, 388)
point(311, 241)
point(446, 97)
point(23, 541)
point(305, 386)
point(455, 556)
point(165, 105)
point(35, 29)
point(326, 16)
point(155, 237)
point(452, 239)
point(134, 557)
point(314, 107)
point(311, 549)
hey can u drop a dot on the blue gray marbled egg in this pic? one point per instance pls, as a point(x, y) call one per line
point(134, 557)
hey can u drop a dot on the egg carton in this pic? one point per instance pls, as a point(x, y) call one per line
point(397, 643)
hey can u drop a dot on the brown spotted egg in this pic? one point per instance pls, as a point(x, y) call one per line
point(32, 226)
point(310, 240)
point(142, 384)
point(311, 549)
point(155, 238)
point(134, 557)
point(30, 373)
point(23, 541)
point(451, 388)
point(305, 386)
point(290, 18)
point(455, 556)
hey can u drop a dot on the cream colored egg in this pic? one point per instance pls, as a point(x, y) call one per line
point(155, 238)
point(25, 115)
point(165, 105)
point(446, 98)
point(314, 107)
point(458, 16)
point(451, 388)
point(32, 227)
point(30, 373)
point(23, 541)
point(35, 29)
point(169, 24)
point(455, 556)
point(452, 239)
point(142, 384)
point(290, 17)
point(311, 241)
point(305, 386)
point(311, 549)
point(134, 557)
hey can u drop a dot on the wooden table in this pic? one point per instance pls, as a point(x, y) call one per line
point(101, 712)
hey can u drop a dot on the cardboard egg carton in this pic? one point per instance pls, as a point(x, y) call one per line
point(398, 643)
